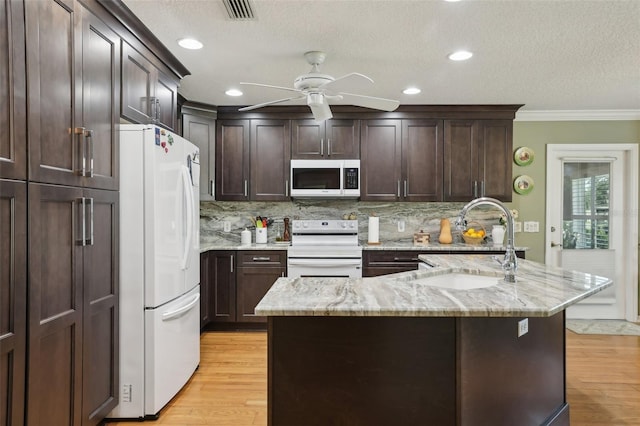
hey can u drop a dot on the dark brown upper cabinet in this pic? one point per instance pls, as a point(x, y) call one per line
point(409, 152)
point(13, 111)
point(199, 127)
point(421, 173)
point(338, 139)
point(232, 160)
point(270, 160)
point(478, 159)
point(73, 85)
point(149, 96)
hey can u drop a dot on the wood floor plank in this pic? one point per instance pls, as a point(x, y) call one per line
point(230, 387)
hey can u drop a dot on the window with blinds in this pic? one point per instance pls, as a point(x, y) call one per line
point(586, 205)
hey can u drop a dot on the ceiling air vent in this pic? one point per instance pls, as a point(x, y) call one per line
point(239, 10)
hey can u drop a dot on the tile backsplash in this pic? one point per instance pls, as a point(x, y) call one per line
point(416, 217)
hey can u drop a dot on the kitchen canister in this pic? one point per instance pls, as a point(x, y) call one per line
point(245, 237)
point(497, 235)
point(261, 235)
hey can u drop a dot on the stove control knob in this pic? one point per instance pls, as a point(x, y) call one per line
point(344, 225)
point(352, 225)
point(305, 225)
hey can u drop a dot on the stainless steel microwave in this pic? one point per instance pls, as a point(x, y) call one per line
point(325, 178)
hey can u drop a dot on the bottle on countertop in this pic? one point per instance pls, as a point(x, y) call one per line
point(245, 237)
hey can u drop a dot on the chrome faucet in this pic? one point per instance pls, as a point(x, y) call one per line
point(510, 261)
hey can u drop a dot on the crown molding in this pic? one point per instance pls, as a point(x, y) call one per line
point(579, 115)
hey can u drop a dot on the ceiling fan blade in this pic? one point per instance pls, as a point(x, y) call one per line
point(319, 107)
point(349, 81)
point(370, 101)
point(290, 89)
point(249, 108)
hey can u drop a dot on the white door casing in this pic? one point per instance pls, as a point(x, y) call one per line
point(619, 261)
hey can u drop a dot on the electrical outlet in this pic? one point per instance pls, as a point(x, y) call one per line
point(126, 393)
point(532, 227)
point(226, 226)
point(401, 226)
point(517, 226)
point(523, 327)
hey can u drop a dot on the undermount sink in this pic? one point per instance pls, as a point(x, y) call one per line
point(460, 281)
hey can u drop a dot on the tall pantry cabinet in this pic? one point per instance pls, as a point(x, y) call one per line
point(59, 270)
point(13, 213)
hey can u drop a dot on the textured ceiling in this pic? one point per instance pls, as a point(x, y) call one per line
point(548, 55)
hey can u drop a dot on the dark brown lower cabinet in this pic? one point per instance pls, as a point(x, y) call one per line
point(13, 300)
point(257, 271)
point(383, 262)
point(73, 305)
point(233, 282)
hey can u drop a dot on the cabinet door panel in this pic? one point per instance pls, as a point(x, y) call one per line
point(55, 305)
point(343, 139)
point(13, 140)
point(100, 318)
point(100, 88)
point(201, 131)
point(422, 142)
point(166, 92)
point(222, 281)
point(205, 296)
point(13, 303)
point(137, 86)
point(461, 160)
point(307, 139)
point(252, 284)
point(54, 78)
point(381, 151)
point(270, 160)
point(497, 160)
point(232, 160)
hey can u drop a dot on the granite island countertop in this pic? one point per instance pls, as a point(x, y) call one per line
point(539, 291)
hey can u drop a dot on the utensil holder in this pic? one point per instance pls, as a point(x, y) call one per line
point(261, 235)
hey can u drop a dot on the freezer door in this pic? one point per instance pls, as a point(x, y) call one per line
point(172, 349)
point(170, 225)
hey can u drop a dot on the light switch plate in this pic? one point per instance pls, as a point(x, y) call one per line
point(517, 227)
point(532, 227)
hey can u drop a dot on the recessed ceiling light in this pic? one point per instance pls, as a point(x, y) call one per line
point(460, 55)
point(452, 1)
point(233, 92)
point(190, 43)
point(411, 91)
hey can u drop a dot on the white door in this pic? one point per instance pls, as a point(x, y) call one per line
point(592, 222)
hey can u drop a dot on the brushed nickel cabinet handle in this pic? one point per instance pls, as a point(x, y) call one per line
point(81, 132)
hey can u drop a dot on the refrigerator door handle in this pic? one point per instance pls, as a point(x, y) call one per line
point(188, 198)
point(168, 316)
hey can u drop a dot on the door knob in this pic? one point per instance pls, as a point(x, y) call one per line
point(555, 244)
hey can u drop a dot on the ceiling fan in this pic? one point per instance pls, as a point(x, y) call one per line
point(321, 89)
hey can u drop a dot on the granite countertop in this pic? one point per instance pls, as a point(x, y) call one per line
point(207, 244)
point(540, 291)
point(434, 246)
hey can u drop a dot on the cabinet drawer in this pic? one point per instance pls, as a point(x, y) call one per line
point(391, 258)
point(262, 258)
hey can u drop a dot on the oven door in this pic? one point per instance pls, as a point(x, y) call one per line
point(324, 267)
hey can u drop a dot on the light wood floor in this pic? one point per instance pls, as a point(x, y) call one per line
point(230, 387)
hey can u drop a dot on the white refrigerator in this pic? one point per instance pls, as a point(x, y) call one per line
point(159, 268)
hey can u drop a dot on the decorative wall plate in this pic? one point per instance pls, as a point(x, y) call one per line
point(523, 156)
point(523, 184)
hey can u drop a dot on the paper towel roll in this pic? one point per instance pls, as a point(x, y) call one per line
point(374, 229)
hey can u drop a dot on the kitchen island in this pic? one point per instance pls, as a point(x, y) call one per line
point(396, 349)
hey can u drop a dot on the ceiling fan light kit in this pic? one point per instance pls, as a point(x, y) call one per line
point(319, 89)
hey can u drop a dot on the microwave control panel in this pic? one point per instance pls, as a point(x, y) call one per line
point(351, 178)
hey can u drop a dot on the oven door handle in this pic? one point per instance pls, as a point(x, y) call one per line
point(324, 263)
